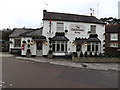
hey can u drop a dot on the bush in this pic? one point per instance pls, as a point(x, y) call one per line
point(90, 55)
point(74, 54)
point(28, 51)
point(85, 54)
point(81, 54)
point(96, 54)
point(50, 52)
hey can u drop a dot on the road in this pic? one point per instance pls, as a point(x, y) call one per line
point(27, 74)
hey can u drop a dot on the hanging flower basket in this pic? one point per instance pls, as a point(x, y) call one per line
point(66, 31)
point(28, 45)
point(10, 42)
point(24, 42)
point(28, 40)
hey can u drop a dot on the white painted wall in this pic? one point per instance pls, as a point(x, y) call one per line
point(100, 30)
point(32, 47)
point(23, 52)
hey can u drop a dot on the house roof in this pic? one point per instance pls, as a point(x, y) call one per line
point(70, 17)
point(93, 38)
point(111, 28)
point(59, 38)
point(37, 32)
point(19, 32)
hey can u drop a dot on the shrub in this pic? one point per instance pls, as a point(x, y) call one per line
point(90, 55)
point(96, 54)
point(28, 51)
point(50, 52)
point(81, 54)
point(85, 54)
point(74, 54)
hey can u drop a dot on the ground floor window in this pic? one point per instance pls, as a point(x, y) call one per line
point(94, 47)
point(114, 45)
point(17, 42)
point(59, 46)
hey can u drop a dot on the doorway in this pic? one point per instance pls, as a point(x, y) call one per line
point(78, 47)
point(39, 48)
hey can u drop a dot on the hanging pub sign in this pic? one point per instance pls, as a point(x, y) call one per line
point(77, 29)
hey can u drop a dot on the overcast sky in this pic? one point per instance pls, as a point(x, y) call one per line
point(29, 13)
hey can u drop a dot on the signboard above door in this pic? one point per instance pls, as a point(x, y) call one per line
point(77, 29)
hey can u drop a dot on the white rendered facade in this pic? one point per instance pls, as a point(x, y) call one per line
point(71, 35)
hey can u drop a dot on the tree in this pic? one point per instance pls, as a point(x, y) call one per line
point(5, 34)
point(110, 20)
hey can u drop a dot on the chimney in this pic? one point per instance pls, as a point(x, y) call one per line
point(90, 14)
point(44, 10)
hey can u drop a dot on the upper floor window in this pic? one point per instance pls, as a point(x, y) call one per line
point(60, 27)
point(93, 28)
point(114, 36)
point(17, 42)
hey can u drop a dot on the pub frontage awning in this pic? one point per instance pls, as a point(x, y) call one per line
point(80, 40)
point(93, 38)
point(39, 38)
point(59, 38)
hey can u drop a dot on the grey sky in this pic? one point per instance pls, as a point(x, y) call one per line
point(28, 13)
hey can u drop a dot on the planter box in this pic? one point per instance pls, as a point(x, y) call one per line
point(50, 56)
point(28, 55)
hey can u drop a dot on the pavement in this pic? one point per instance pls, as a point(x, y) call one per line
point(68, 63)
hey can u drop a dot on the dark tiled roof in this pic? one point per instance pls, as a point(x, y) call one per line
point(59, 38)
point(19, 32)
point(93, 39)
point(70, 17)
point(37, 32)
point(111, 28)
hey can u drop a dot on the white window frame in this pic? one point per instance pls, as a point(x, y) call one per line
point(60, 43)
point(60, 27)
point(94, 44)
point(114, 36)
point(93, 29)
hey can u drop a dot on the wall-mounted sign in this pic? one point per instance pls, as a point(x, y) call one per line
point(77, 29)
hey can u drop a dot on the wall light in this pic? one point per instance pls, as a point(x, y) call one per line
point(46, 42)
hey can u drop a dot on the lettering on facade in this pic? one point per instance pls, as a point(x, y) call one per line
point(78, 29)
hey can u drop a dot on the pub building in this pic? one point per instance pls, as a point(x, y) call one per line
point(65, 34)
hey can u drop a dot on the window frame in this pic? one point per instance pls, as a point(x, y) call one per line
point(93, 29)
point(60, 43)
point(115, 35)
point(114, 45)
point(60, 27)
point(93, 47)
point(17, 45)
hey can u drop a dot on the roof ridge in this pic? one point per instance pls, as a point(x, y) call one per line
point(70, 14)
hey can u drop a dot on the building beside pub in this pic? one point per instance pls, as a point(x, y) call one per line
point(62, 34)
point(112, 39)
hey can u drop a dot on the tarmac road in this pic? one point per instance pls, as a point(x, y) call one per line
point(27, 74)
